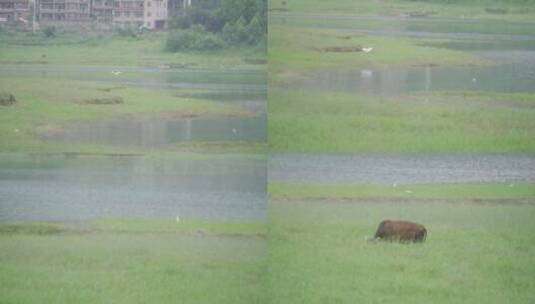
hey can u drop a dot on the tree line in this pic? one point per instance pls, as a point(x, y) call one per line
point(215, 24)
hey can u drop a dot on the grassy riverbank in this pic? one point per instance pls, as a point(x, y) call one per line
point(107, 49)
point(295, 50)
point(474, 253)
point(478, 9)
point(46, 107)
point(434, 122)
point(133, 261)
point(421, 192)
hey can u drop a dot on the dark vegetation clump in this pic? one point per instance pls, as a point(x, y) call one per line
point(49, 32)
point(341, 49)
point(126, 32)
point(7, 99)
point(104, 101)
point(211, 24)
point(39, 229)
point(193, 39)
point(497, 11)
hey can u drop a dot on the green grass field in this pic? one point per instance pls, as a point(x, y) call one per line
point(478, 9)
point(420, 192)
point(94, 49)
point(435, 122)
point(133, 261)
point(47, 106)
point(474, 253)
point(296, 50)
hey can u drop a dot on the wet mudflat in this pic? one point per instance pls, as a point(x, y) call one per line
point(402, 168)
point(52, 188)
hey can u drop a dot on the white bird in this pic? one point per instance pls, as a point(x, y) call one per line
point(177, 219)
point(474, 80)
point(366, 73)
point(16, 130)
point(394, 185)
point(408, 191)
point(234, 131)
point(116, 73)
point(367, 50)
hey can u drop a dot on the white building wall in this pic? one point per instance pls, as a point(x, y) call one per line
point(155, 14)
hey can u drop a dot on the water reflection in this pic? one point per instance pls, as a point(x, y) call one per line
point(508, 46)
point(511, 77)
point(163, 133)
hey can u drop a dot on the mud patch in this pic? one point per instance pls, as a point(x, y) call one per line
point(339, 49)
point(103, 101)
point(109, 89)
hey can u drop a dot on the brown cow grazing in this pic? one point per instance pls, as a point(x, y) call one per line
point(401, 231)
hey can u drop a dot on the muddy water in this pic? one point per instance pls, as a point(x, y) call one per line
point(53, 188)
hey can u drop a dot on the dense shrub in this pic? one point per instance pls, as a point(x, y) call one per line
point(126, 32)
point(193, 39)
point(49, 32)
point(224, 22)
point(186, 18)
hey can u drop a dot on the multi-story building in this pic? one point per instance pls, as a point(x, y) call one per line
point(155, 14)
point(151, 14)
point(129, 13)
point(51, 11)
point(102, 11)
point(14, 10)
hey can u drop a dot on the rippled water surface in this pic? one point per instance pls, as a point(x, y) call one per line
point(55, 188)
